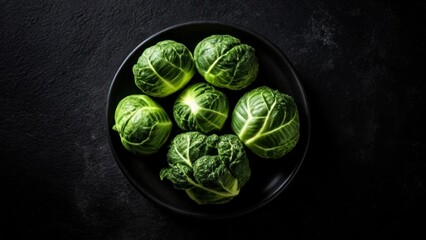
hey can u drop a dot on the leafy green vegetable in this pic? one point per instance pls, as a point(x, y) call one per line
point(267, 121)
point(211, 169)
point(225, 62)
point(142, 124)
point(201, 107)
point(164, 68)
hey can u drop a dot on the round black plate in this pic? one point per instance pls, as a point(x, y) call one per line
point(269, 177)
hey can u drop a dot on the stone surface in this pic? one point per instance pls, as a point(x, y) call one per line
point(361, 63)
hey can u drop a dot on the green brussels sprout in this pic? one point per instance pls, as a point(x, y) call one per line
point(164, 68)
point(201, 107)
point(267, 122)
point(211, 169)
point(142, 124)
point(225, 62)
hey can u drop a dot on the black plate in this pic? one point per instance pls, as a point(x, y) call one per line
point(269, 177)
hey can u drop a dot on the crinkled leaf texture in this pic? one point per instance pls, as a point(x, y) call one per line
point(143, 125)
point(225, 62)
point(164, 68)
point(267, 122)
point(201, 107)
point(211, 169)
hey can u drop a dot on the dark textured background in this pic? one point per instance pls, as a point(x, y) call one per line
point(362, 64)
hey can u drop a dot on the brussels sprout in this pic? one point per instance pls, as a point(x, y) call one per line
point(142, 124)
point(164, 68)
point(225, 62)
point(201, 107)
point(267, 121)
point(211, 169)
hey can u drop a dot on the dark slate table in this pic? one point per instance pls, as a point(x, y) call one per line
point(362, 64)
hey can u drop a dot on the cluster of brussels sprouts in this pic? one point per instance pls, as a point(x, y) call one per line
point(211, 168)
